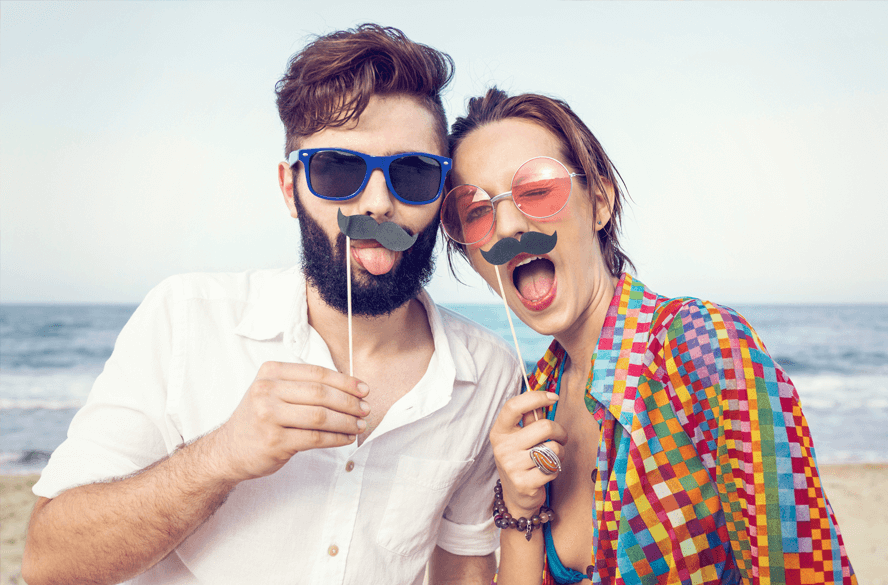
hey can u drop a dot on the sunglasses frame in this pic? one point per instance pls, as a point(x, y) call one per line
point(304, 155)
point(508, 194)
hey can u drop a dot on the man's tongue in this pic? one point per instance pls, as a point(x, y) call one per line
point(375, 260)
point(534, 280)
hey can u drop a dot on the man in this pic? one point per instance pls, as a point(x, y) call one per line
point(188, 466)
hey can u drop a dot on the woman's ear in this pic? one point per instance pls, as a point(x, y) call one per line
point(285, 182)
point(604, 204)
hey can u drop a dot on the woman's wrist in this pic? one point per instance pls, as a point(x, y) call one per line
point(525, 523)
point(517, 509)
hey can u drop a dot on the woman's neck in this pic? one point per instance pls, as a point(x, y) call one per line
point(580, 340)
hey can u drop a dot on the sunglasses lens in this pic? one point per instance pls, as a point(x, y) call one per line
point(467, 214)
point(416, 178)
point(541, 187)
point(336, 174)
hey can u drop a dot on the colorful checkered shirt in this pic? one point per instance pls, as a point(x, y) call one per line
point(706, 469)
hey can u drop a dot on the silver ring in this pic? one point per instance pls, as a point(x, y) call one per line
point(545, 459)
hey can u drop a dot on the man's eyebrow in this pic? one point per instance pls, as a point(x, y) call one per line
point(397, 152)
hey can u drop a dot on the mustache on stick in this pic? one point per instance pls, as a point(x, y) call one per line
point(531, 243)
point(364, 227)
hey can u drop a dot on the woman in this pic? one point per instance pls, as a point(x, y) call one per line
point(677, 452)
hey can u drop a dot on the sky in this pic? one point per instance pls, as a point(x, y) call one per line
point(140, 139)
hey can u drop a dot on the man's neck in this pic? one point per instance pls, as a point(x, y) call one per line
point(373, 338)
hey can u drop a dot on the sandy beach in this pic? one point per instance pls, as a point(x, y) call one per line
point(16, 502)
point(858, 494)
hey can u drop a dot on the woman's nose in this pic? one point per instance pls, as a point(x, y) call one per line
point(510, 222)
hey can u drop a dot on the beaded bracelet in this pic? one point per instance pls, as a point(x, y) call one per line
point(502, 518)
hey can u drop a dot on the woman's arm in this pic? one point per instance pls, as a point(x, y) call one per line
point(521, 561)
point(749, 429)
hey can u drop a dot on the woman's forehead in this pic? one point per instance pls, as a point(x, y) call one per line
point(495, 151)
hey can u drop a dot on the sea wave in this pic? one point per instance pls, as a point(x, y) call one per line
point(842, 392)
point(23, 462)
point(49, 386)
point(39, 404)
point(50, 357)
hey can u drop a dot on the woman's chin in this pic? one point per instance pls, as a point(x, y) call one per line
point(537, 313)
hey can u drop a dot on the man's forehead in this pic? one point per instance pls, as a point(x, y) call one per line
point(390, 124)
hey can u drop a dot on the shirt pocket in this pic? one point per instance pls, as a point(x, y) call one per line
point(420, 492)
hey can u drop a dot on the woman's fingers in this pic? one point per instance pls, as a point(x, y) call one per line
point(539, 432)
point(515, 409)
point(522, 481)
point(512, 451)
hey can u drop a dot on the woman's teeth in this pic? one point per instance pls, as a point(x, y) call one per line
point(528, 260)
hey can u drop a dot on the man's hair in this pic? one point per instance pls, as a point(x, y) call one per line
point(579, 146)
point(330, 81)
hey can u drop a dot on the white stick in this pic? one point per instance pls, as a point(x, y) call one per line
point(348, 286)
point(514, 337)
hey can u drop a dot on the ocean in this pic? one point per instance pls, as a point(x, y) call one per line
point(837, 355)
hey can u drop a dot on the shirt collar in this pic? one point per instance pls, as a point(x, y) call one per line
point(619, 357)
point(279, 308)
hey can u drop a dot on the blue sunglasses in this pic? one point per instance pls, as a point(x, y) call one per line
point(336, 174)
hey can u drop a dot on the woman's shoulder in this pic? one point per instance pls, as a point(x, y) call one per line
point(685, 319)
point(706, 347)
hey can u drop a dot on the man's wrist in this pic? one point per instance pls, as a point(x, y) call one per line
point(202, 460)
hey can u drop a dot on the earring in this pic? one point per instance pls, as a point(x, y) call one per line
point(599, 222)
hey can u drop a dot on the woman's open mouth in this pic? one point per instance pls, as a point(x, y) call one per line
point(534, 279)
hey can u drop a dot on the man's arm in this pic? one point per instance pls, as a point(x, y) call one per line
point(109, 532)
point(446, 568)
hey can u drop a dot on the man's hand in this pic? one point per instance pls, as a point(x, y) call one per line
point(289, 408)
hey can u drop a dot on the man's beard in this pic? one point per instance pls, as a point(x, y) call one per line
point(324, 269)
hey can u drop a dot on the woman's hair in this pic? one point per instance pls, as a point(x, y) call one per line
point(580, 148)
point(330, 81)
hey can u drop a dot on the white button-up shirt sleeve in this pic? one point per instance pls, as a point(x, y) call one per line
point(117, 432)
point(354, 514)
point(467, 527)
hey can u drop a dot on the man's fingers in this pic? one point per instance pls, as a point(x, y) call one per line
point(318, 418)
point(313, 374)
point(303, 440)
point(514, 410)
point(318, 394)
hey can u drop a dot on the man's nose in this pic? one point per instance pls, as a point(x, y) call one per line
point(376, 200)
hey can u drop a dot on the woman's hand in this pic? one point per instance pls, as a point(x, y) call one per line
point(523, 483)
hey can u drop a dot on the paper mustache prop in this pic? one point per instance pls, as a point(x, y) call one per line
point(364, 227)
point(530, 242)
point(502, 252)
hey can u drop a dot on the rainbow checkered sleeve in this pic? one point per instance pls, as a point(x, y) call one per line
point(706, 468)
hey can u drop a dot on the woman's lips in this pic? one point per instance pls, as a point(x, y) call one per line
point(539, 281)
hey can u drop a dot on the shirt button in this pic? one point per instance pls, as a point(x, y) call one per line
point(333, 551)
point(350, 465)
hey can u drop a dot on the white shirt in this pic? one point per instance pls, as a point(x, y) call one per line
point(367, 514)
